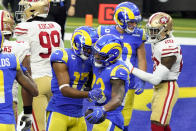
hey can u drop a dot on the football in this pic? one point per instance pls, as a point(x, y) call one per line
point(98, 122)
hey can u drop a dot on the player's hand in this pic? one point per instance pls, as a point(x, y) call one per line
point(25, 122)
point(95, 94)
point(97, 115)
point(130, 66)
point(71, 11)
point(139, 87)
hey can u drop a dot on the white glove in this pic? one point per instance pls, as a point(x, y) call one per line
point(24, 122)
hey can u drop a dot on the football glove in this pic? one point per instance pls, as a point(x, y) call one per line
point(139, 86)
point(25, 122)
point(96, 116)
point(95, 94)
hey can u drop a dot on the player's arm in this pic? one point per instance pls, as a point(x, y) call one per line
point(62, 75)
point(118, 91)
point(168, 61)
point(27, 83)
point(141, 55)
point(161, 71)
point(26, 63)
point(27, 98)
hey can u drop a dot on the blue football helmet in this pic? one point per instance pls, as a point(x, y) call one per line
point(82, 41)
point(1, 41)
point(127, 12)
point(107, 50)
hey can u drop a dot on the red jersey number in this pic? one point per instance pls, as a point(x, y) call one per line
point(47, 40)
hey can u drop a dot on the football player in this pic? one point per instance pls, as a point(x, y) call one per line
point(22, 51)
point(112, 77)
point(11, 69)
point(127, 17)
point(44, 38)
point(71, 68)
point(167, 57)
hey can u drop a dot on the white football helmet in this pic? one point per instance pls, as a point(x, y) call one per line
point(159, 27)
point(28, 10)
point(6, 22)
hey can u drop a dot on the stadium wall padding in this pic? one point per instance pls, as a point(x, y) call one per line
point(84, 7)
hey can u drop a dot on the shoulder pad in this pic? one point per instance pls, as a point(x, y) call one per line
point(59, 55)
point(121, 72)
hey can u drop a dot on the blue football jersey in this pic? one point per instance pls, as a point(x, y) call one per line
point(101, 79)
point(131, 43)
point(78, 70)
point(9, 65)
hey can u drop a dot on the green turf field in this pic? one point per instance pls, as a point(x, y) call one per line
point(182, 27)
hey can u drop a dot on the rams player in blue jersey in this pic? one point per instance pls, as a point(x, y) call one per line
point(70, 69)
point(127, 17)
point(112, 77)
point(11, 69)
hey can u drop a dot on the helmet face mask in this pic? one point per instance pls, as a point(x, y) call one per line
point(84, 51)
point(126, 13)
point(100, 59)
point(29, 10)
point(159, 27)
point(82, 41)
point(7, 22)
point(107, 50)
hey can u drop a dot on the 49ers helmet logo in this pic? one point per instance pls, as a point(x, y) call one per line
point(164, 20)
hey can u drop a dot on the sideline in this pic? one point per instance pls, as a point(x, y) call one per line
point(181, 40)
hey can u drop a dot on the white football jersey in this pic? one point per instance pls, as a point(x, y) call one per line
point(164, 48)
point(43, 38)
point(20, 49)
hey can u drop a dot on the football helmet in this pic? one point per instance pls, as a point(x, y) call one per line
point(107, 50)
point(6, 22)
point(28, 10)
point(82, 41)
point(125, 13)
point(159, 26)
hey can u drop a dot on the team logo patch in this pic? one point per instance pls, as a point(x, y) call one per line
point(164, 20)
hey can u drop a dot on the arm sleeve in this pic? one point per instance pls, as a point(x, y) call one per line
point(22, 32)
point(155, 78)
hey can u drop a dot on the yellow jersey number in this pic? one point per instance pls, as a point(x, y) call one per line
point(99, 81)
point(129, 52)
point(78, 77)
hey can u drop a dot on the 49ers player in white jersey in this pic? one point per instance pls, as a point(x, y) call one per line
point(20, 49)
point(44, 37)
point(167, 58)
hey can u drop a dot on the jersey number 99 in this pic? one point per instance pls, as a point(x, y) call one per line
point(47, 41)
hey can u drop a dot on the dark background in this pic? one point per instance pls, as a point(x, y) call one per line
point(177, 8)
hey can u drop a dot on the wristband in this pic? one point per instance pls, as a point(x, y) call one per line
point(63, 85)
point(103, 108)
point(73, 5)
point(27, 109)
